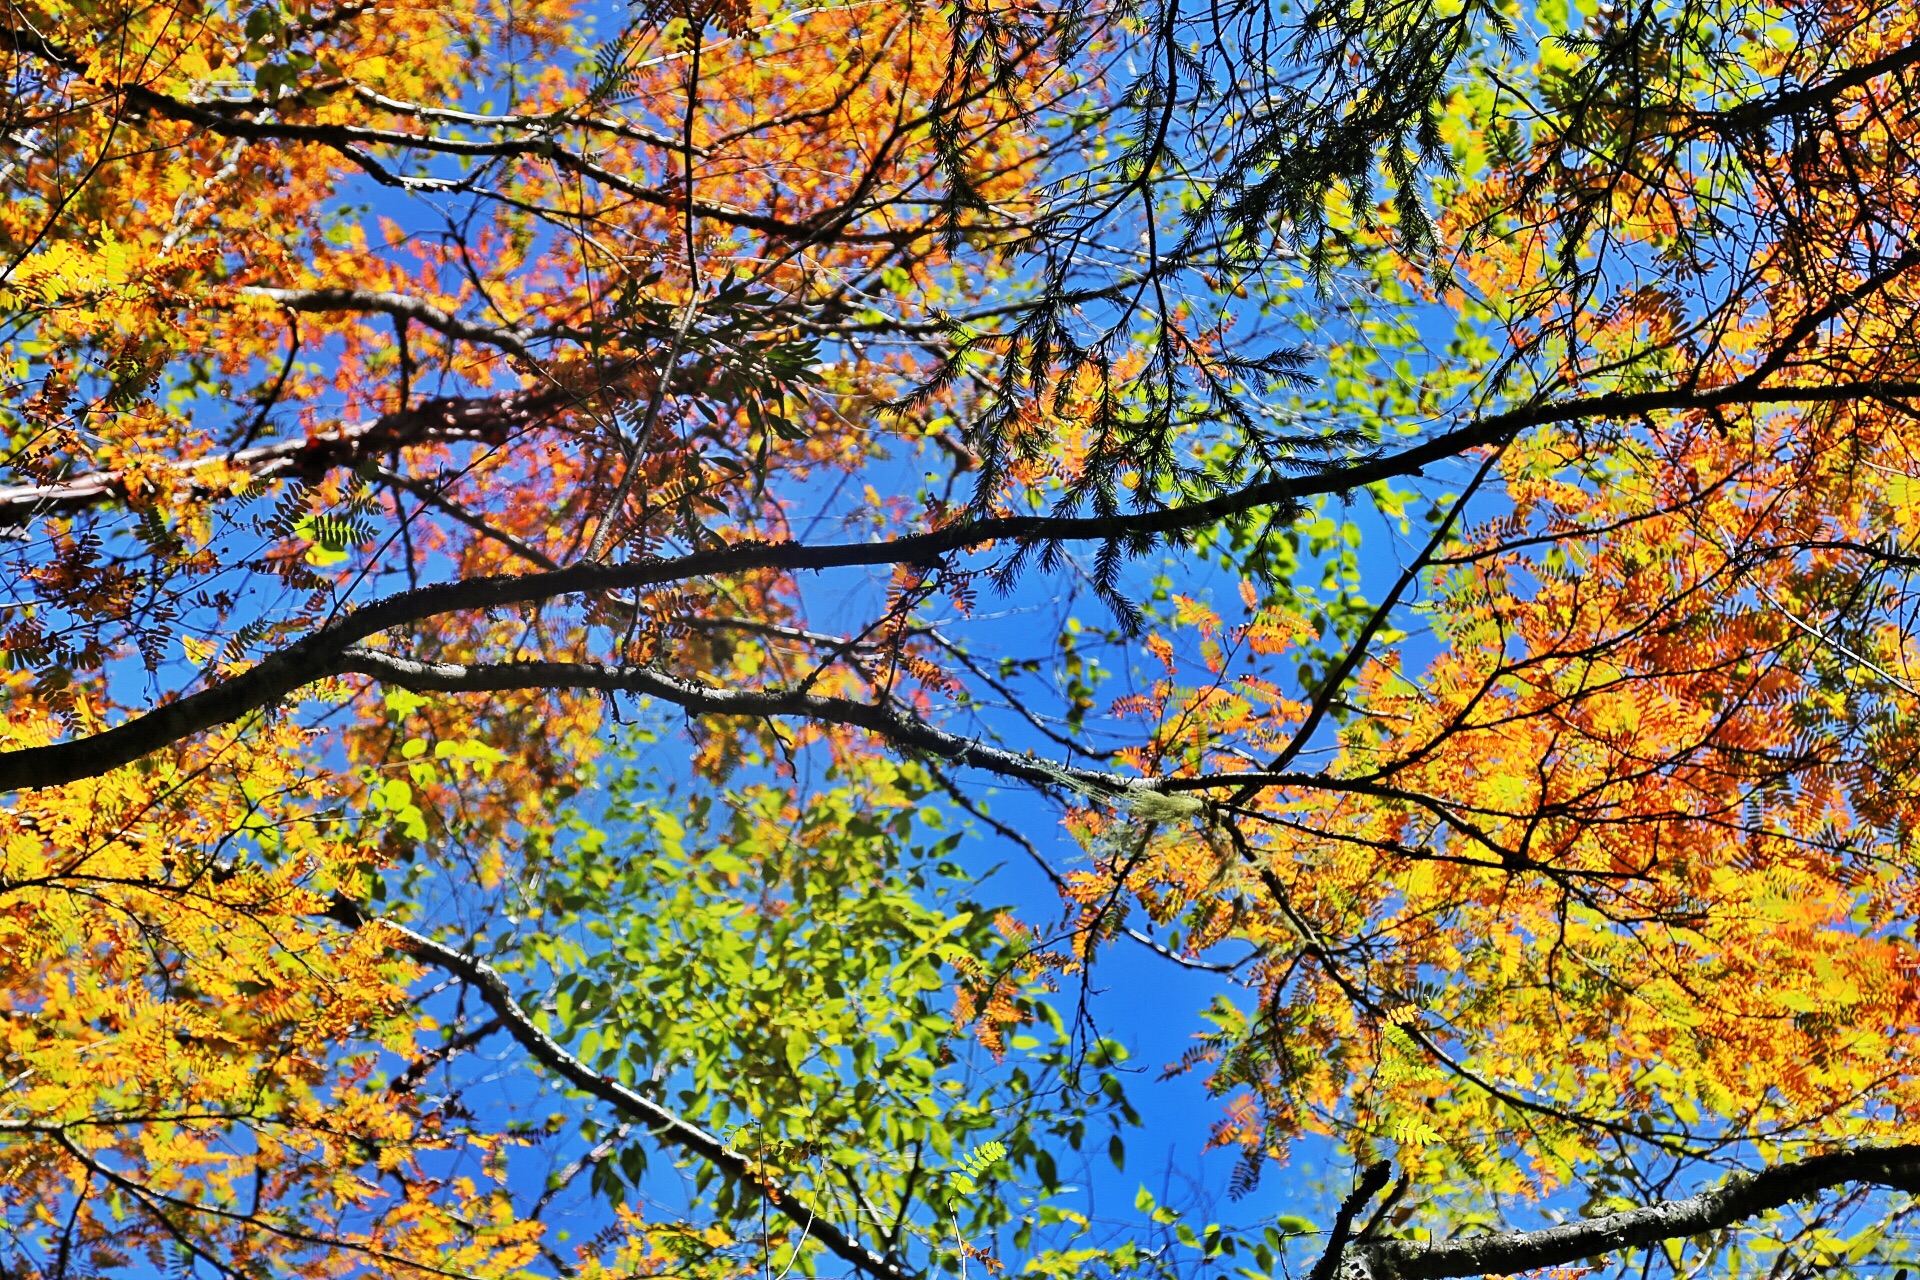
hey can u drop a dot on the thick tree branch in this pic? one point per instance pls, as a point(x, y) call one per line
point(901, 730)
point(1764, 110)
point(436, 421)
point(322, 653)
point(630, 1103)
point(1739, 1199)
point(1366, 1187)
point(399, 306)
point(531, 124)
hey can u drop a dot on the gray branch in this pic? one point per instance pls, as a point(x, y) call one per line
point(630, 1103)
point(1739, 1199)
point(901, 730)
point(437, 421)
point(398, 305)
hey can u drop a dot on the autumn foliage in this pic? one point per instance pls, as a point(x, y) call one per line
point(531, 528)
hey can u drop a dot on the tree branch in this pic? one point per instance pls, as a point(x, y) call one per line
point(436, 421)
point(1740, 1198)
point(1764, 110)
point(755, 704)
point(1365, 1188)
point(487, 982)
point(400, 307)
point(321, 653)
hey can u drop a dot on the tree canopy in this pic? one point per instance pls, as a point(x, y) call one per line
point(550, 547)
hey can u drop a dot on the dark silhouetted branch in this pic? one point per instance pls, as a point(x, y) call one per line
point(630, 1103)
